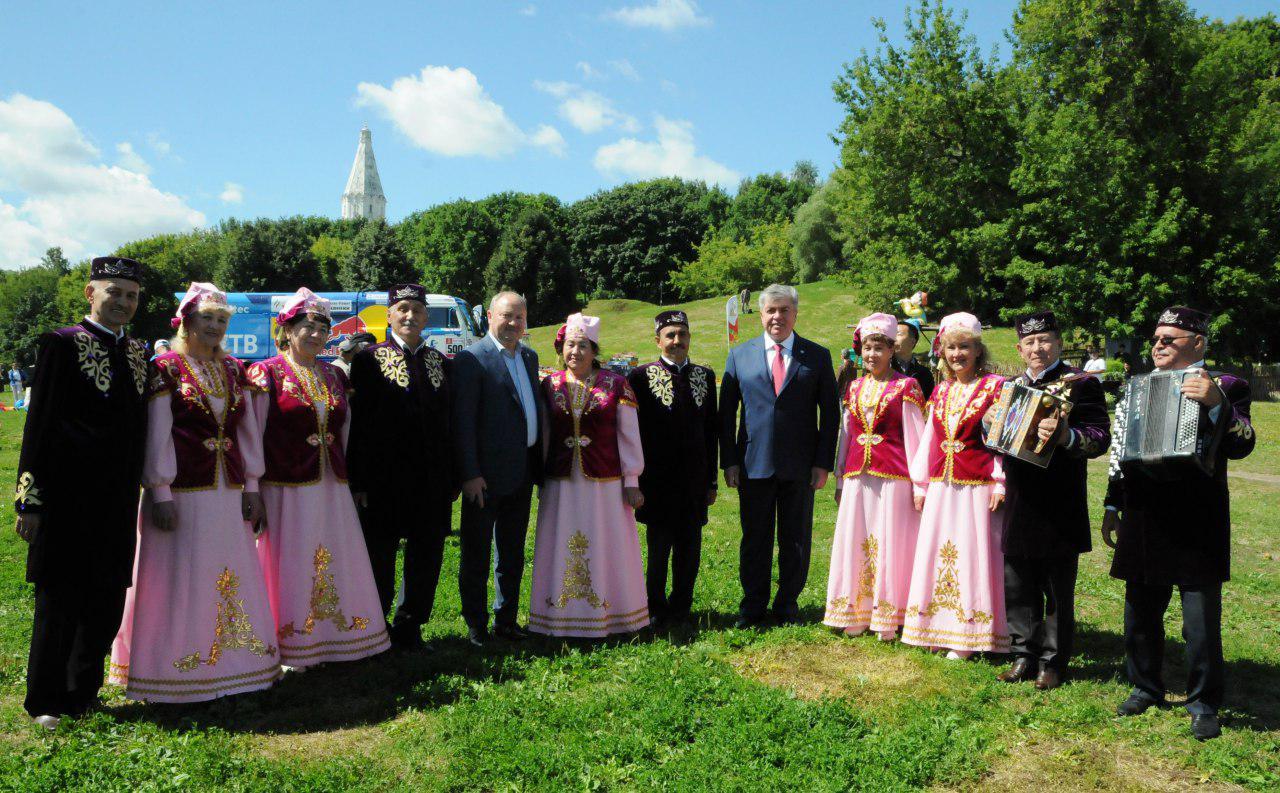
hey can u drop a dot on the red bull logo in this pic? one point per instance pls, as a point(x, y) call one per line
point(341, 330)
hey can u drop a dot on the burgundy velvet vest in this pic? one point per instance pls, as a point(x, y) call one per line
point(204, 442)
point(879, 449)
point(298, 443)
point(590, 440)
point(963, 458)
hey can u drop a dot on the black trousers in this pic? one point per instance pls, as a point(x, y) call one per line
point(681, 546)
point(763, 505)
point(501, 524)
point(1144, 607)
point(71, 635)
point(424, 529)
point(1040, 601)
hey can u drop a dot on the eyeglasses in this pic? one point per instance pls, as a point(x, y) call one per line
point(1167, 341)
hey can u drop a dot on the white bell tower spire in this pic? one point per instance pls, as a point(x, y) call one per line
point(363, 197)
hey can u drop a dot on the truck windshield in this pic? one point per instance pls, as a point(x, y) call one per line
point(441, 317)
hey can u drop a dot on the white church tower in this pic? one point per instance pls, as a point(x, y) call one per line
point(363, 197)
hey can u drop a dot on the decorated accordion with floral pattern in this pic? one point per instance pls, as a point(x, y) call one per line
point(1018, 413)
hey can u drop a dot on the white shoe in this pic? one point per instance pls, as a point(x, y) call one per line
point(952, 655)
point(294, 670)
point(50, 723)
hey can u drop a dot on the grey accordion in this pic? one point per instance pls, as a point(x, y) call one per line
point(1165, 434)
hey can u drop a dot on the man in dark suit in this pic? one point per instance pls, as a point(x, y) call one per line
point(77, 495)
point(781, 452)
point(497, 417)
point(904, 359)
point(676, 408)
point(1047, 512)
point(400, 460)
point(1178, 533)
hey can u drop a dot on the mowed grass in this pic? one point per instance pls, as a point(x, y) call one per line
point(701, 707)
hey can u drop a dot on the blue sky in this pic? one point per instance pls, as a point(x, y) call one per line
point(119, 120)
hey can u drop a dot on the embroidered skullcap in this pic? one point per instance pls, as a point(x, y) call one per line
point(304, 301)
point(580, 324)
point(115, 267)
point(884, 324)
point(1038, 322)
point(666, 318)
point(1185, 318)
point(961, 320)
point(200, 295)
point(400, 292)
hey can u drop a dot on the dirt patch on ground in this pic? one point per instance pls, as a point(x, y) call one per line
point(349, 742)
point(1063, 764)
point(841, 669)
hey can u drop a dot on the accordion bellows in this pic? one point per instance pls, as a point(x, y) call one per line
point(1162, 432)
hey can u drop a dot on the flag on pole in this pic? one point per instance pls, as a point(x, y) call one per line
point(731, 319)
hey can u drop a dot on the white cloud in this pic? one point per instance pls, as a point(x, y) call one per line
point(673, 154)
point(448, 112)
point(130, 160)
point(528, 11)
point(624, 68)
point(67, 196)
point(232, 193)
point(588, 71)
point(665, 15)
point(586, 110)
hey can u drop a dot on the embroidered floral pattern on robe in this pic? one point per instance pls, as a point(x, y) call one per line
point(661, 385)
point(698, 384)
point(93, 360)
point(325, 602)
point(393, 366)
point(946, 589)
point(576, 584)
point(231, 628)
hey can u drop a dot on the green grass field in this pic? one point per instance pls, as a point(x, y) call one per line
point(703, 707)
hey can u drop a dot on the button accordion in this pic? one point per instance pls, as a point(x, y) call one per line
point(1161, 431)
point(1019, 411)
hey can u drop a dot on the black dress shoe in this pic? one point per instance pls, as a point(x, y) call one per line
point(1205, 726)
point(407, 638)
point(513, 632)
point(1134, 706)
point(789, 619)
point(1020, 670)
point(1048, 679)
point(747, 622)
point(477, 636)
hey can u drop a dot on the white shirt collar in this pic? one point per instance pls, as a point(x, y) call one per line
point(669, 362)
point(400, 343)
point(1197, 365)
point(1049, 368)
point(769, 343)
point(117, 334)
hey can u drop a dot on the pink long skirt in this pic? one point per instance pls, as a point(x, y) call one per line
point(197, 624)
point(588, 579)
point(871, 555)
point(318, 576)
point(956, 597)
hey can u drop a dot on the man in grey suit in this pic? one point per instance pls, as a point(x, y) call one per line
point(782, 451)
point(497, 417)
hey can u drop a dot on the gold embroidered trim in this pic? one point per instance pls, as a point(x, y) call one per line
point(325, 601)
point(27, 494)
point(93, 360)
point(374, 645)
point(698, 384)
point(137, 357)
point(243, 685)
point(232, 629)
point(661, 384)
point(435, 370)
point(336, 642)
point(588, 623)
point(946, 590)
point(867, 577)
point(391, 363)
point(117, 669)
point(962, 641)
point(576, 583)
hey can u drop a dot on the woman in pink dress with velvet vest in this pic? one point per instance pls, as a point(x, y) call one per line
point(313, 553)
point(588, 580)
point(957, 581)
point(197, 623)
point(876, 524)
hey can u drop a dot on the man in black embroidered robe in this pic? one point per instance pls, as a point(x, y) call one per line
point(77, 498)
point(677, 414)
point(1047, 512)
point(400, 458)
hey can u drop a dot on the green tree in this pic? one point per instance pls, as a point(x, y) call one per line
point(532, 258)
point(726, 265)
point(27, 309)
point(330, 252)
point(769, 198)
point(170, 263)
point(926, 150)
point(626, 242)
point(450, 244)
point(55, 261)
point(267, 256)
point(376, 260)
point(815, 236)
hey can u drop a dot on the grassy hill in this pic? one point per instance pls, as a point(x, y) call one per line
point(826, 309)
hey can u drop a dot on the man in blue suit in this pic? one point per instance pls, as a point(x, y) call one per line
point(779, 454)
point(497, 416)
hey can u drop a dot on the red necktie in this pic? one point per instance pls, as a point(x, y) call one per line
point(779, 369)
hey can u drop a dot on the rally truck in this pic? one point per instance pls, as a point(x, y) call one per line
point(451, 324)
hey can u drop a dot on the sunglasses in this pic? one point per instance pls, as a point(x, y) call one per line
point(1167, 341)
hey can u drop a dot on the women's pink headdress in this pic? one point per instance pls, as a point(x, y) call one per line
point(961, 320)
point(580, 325)
point(881, 323)
point(200, 295)
point(304, 301)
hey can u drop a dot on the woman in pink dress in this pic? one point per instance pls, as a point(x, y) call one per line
point(197, 624)
point(587, 575)
point(956, 599)
point(312, 550)
point(876, 525)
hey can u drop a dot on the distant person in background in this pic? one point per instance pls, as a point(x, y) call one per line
point(908, 335)
point(676, 404)
point(16, 381)
point(77, 494)
point(784, 389)
point(588, 579)
point(1095, 363)
point(350, 347)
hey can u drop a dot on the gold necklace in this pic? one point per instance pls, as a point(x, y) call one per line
point(208, 376)
point(870, 393)
point(581, 390)
point(312, 384)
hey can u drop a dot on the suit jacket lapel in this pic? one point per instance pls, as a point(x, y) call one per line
point(797, 360)
point(499, 360)
point(761, 355)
